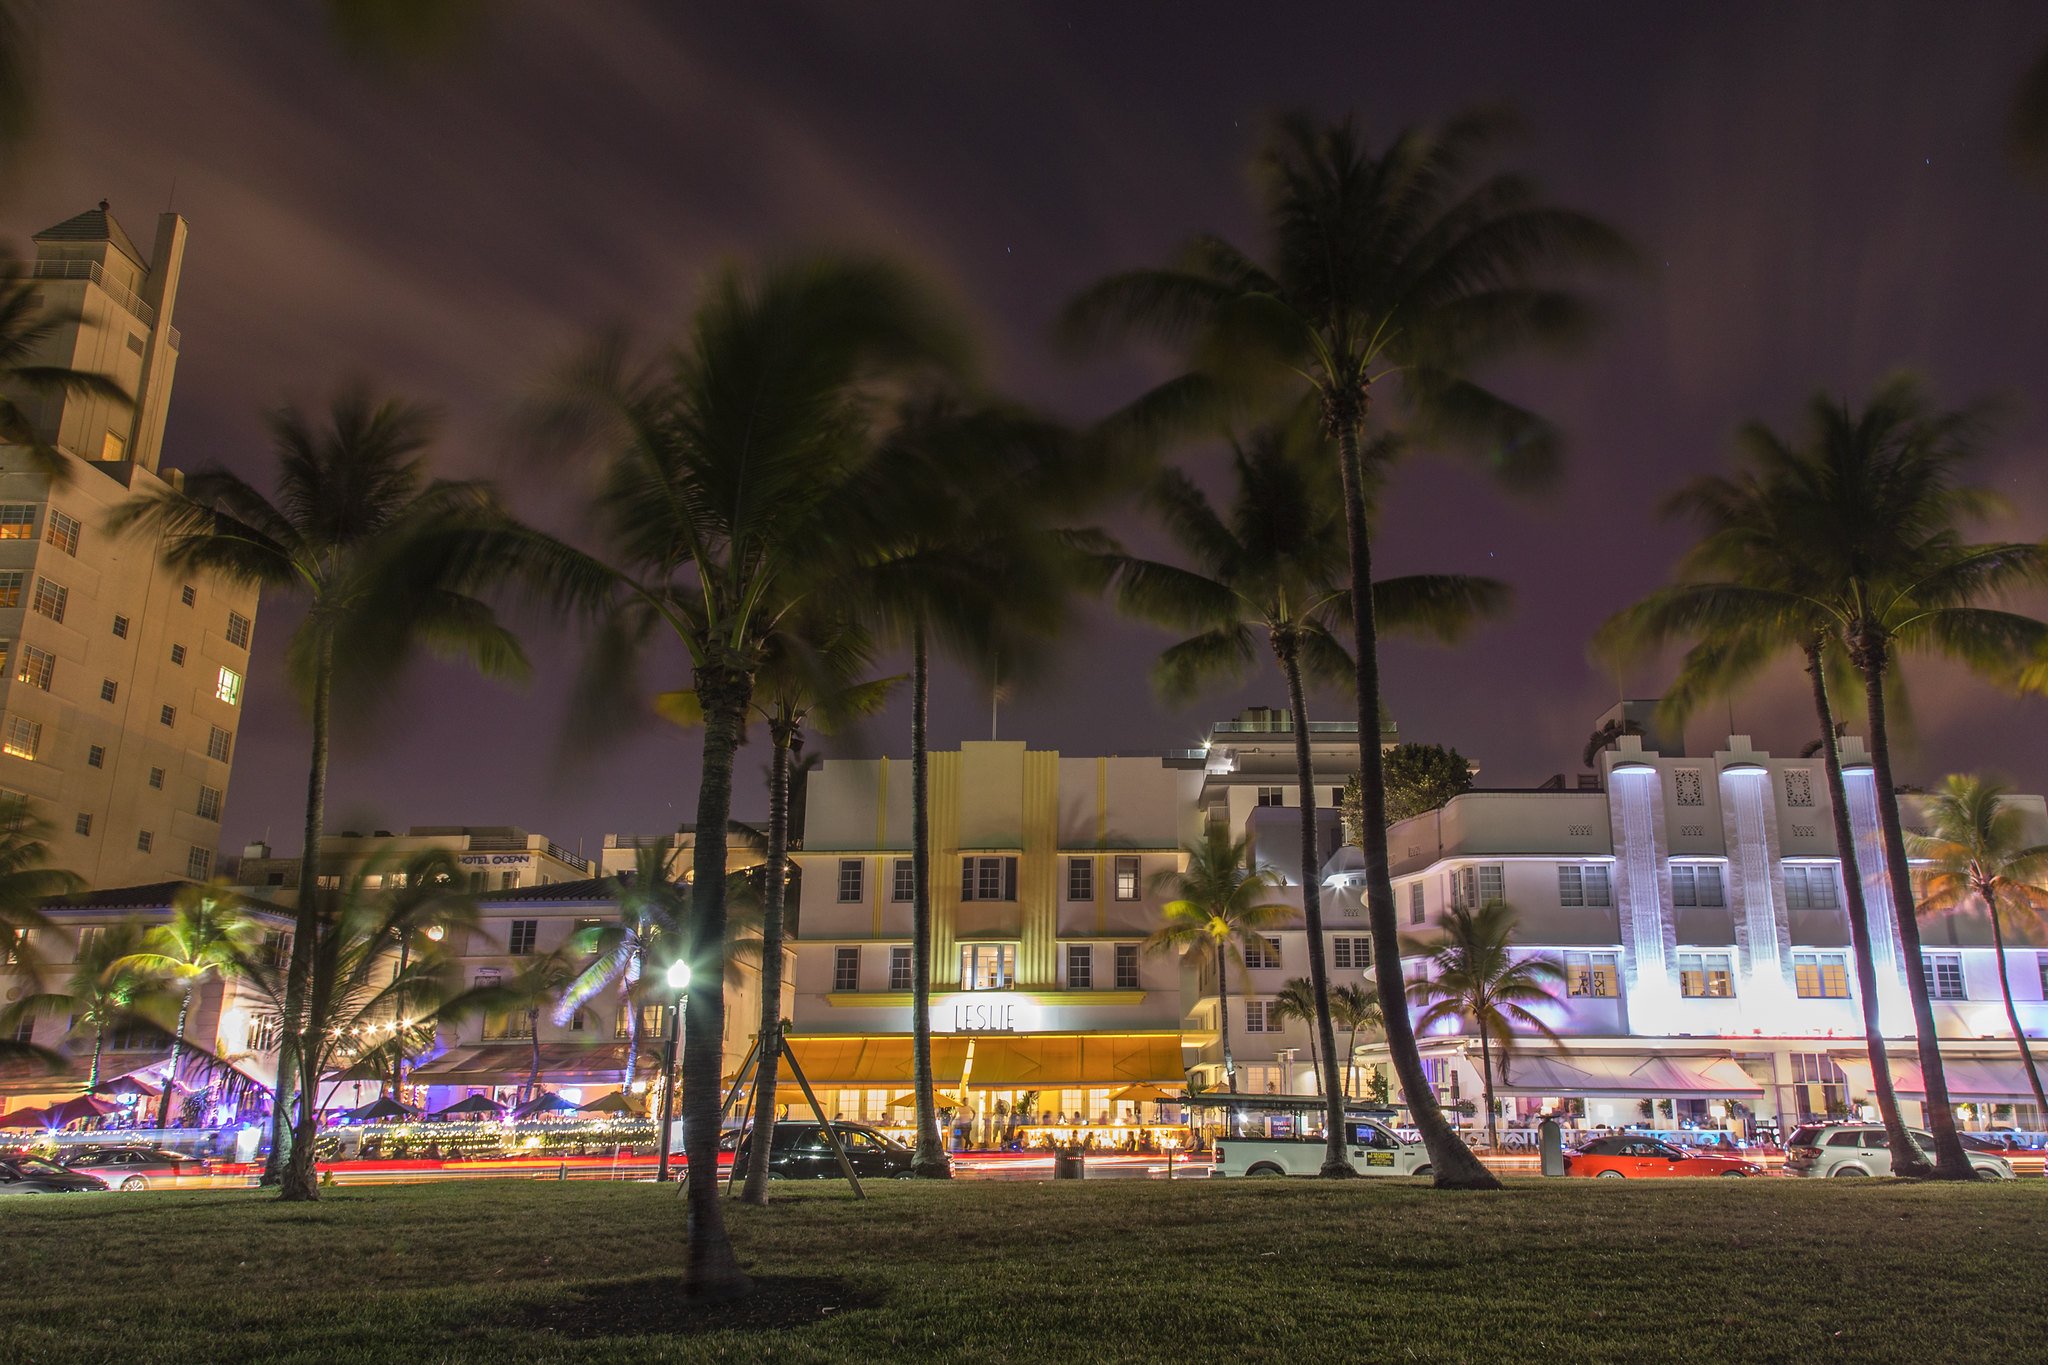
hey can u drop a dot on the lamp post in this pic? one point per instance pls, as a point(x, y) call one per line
point(679, 982)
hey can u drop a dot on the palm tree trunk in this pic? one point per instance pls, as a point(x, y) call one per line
point(533, 1070)
point(2012, 1015)
point(1315, 1064)
point(1335, 1165)
point(710, 1270)
point(163, 1104)
point(300, 1179)
point(1451, 1161)
point(99, 1042)
point(1223, 1016)
point(305, 928)
point(1950, 1161)
point(930, 1160)
point(1351, 1063)
point(782, 732)
point(632, 1009)
point(1906, 1158)
point(1486, 1088)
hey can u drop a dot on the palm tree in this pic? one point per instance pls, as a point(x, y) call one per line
point(1275, 566)
point(1976, 851)
point(206, 933)
point(1219, 905)
point(533, 988)
point(25, 324)
point(359, 533)
point(104, 992)
point(648, 907)
point(1297, 1001)
point(1401, 269)
point(1355, 1006)
point(1477, 976)
point(26, 885)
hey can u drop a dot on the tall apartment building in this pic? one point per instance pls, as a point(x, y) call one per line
point(121, 682)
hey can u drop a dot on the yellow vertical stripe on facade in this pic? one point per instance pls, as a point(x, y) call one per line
point(881, 835)
point(1101, 838)
point(1038, 929)
point(944, 852)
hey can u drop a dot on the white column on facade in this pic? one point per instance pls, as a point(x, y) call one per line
point(1762, 933)
point(1649, 937)
point(1894, 1010)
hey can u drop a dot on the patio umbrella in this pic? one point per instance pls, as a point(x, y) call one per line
point(131, 1085)
point(940, 1100)
point(615, 1103)
point(79, 1109)
point(543, 1105)
point(1144, 1093)
point(26, 1118)
point(481, 1106)
point(380, 1111)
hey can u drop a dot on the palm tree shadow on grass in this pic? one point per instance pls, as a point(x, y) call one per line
point(659, 1305)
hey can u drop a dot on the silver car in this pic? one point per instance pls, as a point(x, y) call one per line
point(1850, 1149)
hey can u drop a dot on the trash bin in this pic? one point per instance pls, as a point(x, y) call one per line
point(1069, 1166)
point(1551, 1139)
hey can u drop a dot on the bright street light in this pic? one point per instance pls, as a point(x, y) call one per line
point(679, 975)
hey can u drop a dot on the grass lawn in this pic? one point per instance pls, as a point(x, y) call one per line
point(1126, 1270)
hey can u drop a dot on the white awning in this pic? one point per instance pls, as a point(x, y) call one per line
point(1967, 1080)
point(1625, 1074)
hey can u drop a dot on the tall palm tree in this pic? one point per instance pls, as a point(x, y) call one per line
point(205, 935)
point(1275, 566)
point(536, 984)
point(1219, 905)
point(103, 993)
point(1355, 1006)
point(1976, 852)
point(1476, 975)
point(648, 909)
point(27, 883)
point(360, 534)
point(25, 324)
point(1397, 270)
point(1296, 1001)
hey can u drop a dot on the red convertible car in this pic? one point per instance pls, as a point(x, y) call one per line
point(1648, 1158)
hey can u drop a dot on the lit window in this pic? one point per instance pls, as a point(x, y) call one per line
point(900, 969)
point(50, 599)
point(178, 655)
point(238, 630)
point(114, 446)
point(10, 587)
point(1592, 975)
point(209, 803)
point(168, 716)
point(1127, 872)
point(228, 687)
point(109, 689)
point(18, 521)
point(519, 942)
point(1705, 976)
point(1080, 879)
point(24, 737)
point(1821, 976)
point(63, 532)
point(143, 841)
point(1943, 973)
point(96, 756)
point(988, 966)
point(903, 880)
point(1351, 953)
point(1127, 966)
point(120, 627)
point(1260, 951)
point(83, 824)
point(850, 880)
point(218, 744)
point(846, 969)
point(1080, 967)
point(199, 864)
point(37, 667)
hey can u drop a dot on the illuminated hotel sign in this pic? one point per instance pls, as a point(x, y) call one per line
point(985, 1012)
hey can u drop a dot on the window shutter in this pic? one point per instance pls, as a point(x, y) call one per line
point(967, 879)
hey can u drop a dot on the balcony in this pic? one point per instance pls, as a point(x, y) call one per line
point(92, 270)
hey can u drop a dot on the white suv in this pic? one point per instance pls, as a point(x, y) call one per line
point(1824, 1149)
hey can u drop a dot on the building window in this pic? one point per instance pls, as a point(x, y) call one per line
point(988, 966)
point(37, 667)
point(1798, 787)
point(1691, 791)
point(1705, 976)
point(519, 943)
point(1261, 951)
point(10, 587)
point(50, 599)
point(1127, 872)
point(903, 882)
point(1080, 967)
point(219, 744)
point(96, 756)
point(1592, 975)
point(1472, 887)
point(852, 879)
point(178, 655)
point(846, 969)
point(169, 715)
point(83, 824)
point(238, 630)
point(1696, 884)
point(1260, 1017)
point(1080, 879)
point(900, 969)
point(1583, 884)
point(1821, 976)
point(2043, 964)
point(1415, 903)
point(199, 864)
point(63, 532)
point(1270, 796)
point(156, 779)
point(228, 687)
point(988, 879)
point(109, 689)
point(143, 841)
point(1127, 966)
point(24, 737)
point(187, 595)
point(1944, 975)
point(1810, 886)
point(120, 627)
point(209, 803)
point(18, 521)
point(1351, 953)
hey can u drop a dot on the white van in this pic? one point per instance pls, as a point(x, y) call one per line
point(1373, 1147)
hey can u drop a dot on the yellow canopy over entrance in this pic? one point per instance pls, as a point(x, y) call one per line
point(1038, 1061)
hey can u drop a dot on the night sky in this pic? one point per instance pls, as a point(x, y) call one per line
point(1818, 191)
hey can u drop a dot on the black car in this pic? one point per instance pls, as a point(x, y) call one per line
point(140, 1168)
point(33, 1175)
point(801, 1151)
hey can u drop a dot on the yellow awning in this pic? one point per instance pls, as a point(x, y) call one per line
point(863, 1063)
point(1044, 1060)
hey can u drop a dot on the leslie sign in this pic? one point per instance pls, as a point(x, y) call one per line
point(984, 1012)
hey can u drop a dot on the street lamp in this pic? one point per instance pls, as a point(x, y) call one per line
point(679, 982)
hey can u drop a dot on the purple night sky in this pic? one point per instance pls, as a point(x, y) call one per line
point(1818, 190)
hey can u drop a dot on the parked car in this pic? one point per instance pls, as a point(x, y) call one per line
point(1648, 1158)
point(1988, 1142)
point(1373, 1146)
point(142, 1168)
point(1852, 1149)
point(801, 1151)
point(33, 1175)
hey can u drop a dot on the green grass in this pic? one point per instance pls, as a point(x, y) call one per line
point(1579, 1270)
